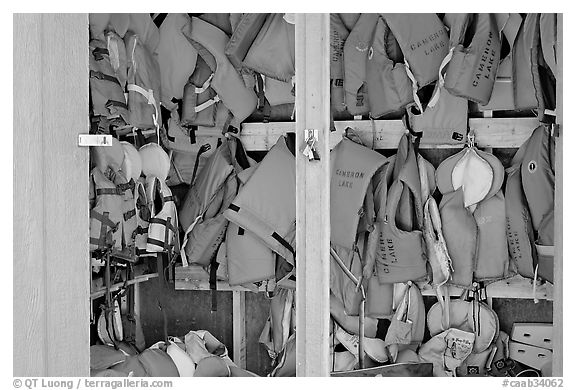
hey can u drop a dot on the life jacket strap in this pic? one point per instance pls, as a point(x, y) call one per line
point(129, 214)
point(105, 222)
point(440, 83)
point(101, 76)
point(204, 86)
point(207, 103)
point(149, 95)
point(414, 85)
point(116, 103)
point(109, 191)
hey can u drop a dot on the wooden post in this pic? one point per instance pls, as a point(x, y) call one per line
point(51, 259)
point(558, 267)
point(239, 327)
point(312, 196)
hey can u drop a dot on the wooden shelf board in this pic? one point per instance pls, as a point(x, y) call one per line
point(515, 287)
point(101, 291)
point(490, 132)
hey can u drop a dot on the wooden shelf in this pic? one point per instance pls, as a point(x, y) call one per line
point(98, 290)
point(490, 132)
point(196, 278)
point(515, 287)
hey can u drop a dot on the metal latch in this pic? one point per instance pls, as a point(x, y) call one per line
point(94, 140)
point(311, 138)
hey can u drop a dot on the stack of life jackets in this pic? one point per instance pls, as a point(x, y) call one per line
point(472, 211)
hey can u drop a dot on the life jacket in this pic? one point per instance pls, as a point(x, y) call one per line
point(158, 363)
point(199, 98)
point(472, 211)
point(526, 82)
point(143, 215)
point(163, 226)
point(249, 259)
point(99, 23)
point(143, 85)
point(106, 92)
point(244, 34)
point(349, 20)
point(535, 162)
point(266, 204)
point(118, 56)
point(143, 25)
point(401, 254)
point(132, 164)
point(176, 349)
point(176, 58)
point(272, 51)
point(352, 168)
point(548, 41)
point(212, 191)
point(471, 69)
point(226, 81)
point(424, 43)
point(356, 51)
point(406, 329)
point(447, 351)
point(390, 88)
point(467, 315)
point(280, 324)
point(338, 35)
point(502, 97)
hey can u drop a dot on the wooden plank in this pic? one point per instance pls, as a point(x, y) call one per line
point(137, 280)
point(65, 115)
point(385, 134)
point(557, 360)
point(29, 324)
point(312, 195)
point(239, 327)
point(515, 287)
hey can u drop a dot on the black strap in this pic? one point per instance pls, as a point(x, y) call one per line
point(109, 191)
point(233, 207)
point(263, 104)
point(284, 243)
point(139, 139)
point(241, 156)
point(101, 76)
point(129, 214)
point(158, 19)
point(204, 148)
point(116, 103)
point(169, 198)
point(213, 285)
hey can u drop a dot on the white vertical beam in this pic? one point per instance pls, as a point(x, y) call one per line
point(558, 268)
point(312, 195)
point(51, 282)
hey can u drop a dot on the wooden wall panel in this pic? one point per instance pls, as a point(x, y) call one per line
point(51, 109)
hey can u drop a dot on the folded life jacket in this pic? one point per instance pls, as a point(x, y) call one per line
point(502, 97)
point(209, 195)
point(338, 35)
point(473, 216)
point(471, 68)
point(226, 81)
point(106, 91)
point(272, 51)
point(424, 43)
point(356, 51)
point(244, 34)
point(390, 88)
point(266, 204)
point(176, 58)
point(143, 84)
point(531, 219)
point(401, 254)
point(352, 168)
point(249, 259)
point(278, 92)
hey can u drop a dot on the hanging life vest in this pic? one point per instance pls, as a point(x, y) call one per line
point(266, 205)
point(424, 43)
point(118, 57)
point(244, 34)
point(226, 81)
point(356, 51)
point(272, 51)
point(176, 58)
point(537, 172)
point(352, 168)
point(143, 85)
point(199, 101)
point(471, 69)
point(338, 35)
point(401, 254)
point(211, 193)
point(526, 81)
point(390, 88)
point(106, 91)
